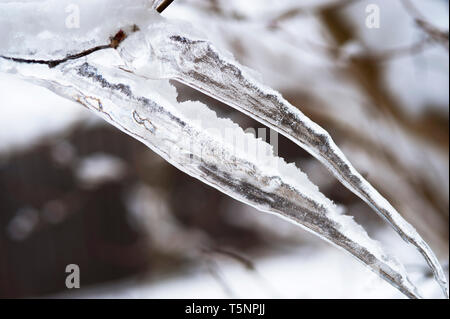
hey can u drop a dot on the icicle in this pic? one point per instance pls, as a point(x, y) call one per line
point(182, 134)
point(196, 62)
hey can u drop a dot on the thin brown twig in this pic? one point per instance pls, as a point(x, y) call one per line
point(214, 269)
point(366, 53)
point(246, 262)
point(163, 5)
point(114, 43)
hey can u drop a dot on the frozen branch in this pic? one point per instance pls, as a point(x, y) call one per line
point(127, 83)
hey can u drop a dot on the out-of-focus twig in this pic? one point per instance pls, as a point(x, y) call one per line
point(293, 12)
point(245, 261)
point(438, 35)
point(163, 5)
point(215, 272)
point(378, 56)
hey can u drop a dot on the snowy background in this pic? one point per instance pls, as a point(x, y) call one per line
point(73, 189)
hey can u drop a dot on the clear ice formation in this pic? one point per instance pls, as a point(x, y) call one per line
point(128, 85)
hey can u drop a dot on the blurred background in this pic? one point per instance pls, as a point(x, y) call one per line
point(75, 190)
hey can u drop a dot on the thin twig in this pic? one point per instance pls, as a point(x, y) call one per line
point(163, 5)
point(431, 30)
point(114, 43)
point(243, 260)
point(293, 12)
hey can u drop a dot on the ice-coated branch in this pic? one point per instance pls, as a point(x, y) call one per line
point(197, 63)
point(127, 85)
